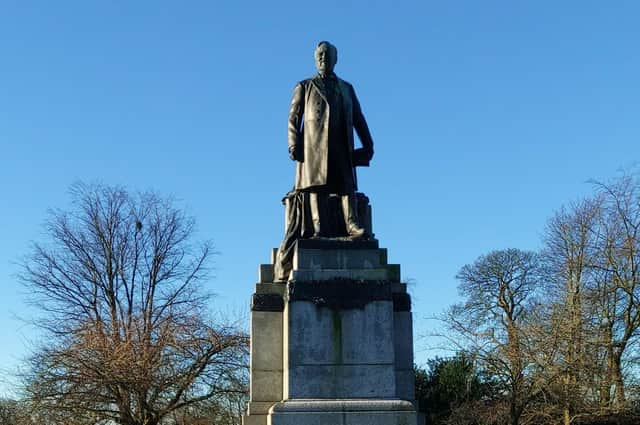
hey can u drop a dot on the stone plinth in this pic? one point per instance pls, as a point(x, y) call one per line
point(340, 340)
point(334, 344)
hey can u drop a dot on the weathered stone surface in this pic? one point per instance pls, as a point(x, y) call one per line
point(315, 259)
point(346, 405)
point(266, 355)
point(313, 334)
point(342, 294)
point(366, 334)
point(342, 418)
point(304, 418)
point(266, 340)
point(310, 275)
point(405, 384)
point(394, 272)
point(341, 381)
point(403, 339)
point(343, 352)
point(403, 346)
point(267, 302)
point(342, 412)
point(343, 341)
point(401, 301)
point(389, 273)
point(266, 385)
point(337, 244)
point(271, 288)
point(265, 273)
point(259, 407)
point(397, 287)
point(354, 336)
point(254, 419)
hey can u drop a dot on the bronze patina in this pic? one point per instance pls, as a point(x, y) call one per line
point(324, 113)
point(323, 116)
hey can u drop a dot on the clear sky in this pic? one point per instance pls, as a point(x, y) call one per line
point(486, 117)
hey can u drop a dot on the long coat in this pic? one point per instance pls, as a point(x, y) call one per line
point(309, 133)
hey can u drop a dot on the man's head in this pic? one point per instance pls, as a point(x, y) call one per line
point(326, 56)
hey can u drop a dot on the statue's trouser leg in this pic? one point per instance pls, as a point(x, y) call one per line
point(350, 211)
point(318, 206)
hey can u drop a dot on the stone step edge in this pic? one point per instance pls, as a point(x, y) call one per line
point(390, 272)
point(342, 405)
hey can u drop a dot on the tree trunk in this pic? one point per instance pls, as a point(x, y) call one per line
point(607, 379)
point(566, 416)
point(514, 411)
point(515, 417)
point(620, 398)
point(566, 405)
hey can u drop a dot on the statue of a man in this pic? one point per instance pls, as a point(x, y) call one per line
point(324, 112)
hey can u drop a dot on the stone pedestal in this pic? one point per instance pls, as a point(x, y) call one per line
point(332, 346)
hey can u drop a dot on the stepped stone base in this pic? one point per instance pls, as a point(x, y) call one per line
point(333, 345)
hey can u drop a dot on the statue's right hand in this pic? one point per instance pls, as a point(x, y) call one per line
point(293, 153)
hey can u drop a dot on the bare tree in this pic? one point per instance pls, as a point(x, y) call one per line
point(592, 254)
point(128, 337)
point(619, 277)
point(570, 338)
point(498, 291)
point(560, 329)
point(14, 412)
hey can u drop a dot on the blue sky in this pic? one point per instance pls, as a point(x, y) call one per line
point(486, 117)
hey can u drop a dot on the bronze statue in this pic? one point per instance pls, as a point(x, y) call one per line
point(324, 112)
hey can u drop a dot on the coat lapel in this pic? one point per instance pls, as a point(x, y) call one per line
point(319, 86)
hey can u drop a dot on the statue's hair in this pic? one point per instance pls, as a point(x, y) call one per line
point(332, 48)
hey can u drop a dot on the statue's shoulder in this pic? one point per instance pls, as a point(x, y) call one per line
point(346, 84)
point(304, 83)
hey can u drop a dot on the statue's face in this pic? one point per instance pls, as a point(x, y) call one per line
point(325, 60)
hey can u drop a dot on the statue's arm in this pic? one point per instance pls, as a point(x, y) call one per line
point(296, 113)
point(361, 127)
